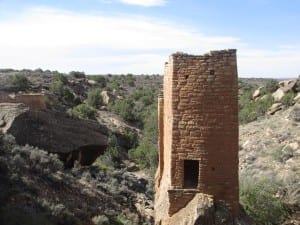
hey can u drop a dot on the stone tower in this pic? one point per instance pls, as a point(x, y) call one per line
point(198, 133)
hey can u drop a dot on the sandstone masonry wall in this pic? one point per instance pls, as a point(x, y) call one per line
point(200, 119)
point(34, 101)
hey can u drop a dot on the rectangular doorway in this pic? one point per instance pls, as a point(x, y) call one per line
point(191, 174)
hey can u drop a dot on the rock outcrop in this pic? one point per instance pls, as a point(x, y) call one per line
point(56, 132)
point(257, 93)
point(274, 108)
point(203, 210)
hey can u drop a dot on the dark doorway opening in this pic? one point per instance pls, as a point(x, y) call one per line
point(191, 174)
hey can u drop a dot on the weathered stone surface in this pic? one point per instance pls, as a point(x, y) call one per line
point(72, 138)
point(278, 95)
point(198, 136)
point(257, 93)
point(274, 108)
point(297, 97)
point(107, 97)
point(202, 210)
point(92, 82)
point(33, 100)
point(287, 85)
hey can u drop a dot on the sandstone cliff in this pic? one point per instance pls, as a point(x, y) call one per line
point(56, 132)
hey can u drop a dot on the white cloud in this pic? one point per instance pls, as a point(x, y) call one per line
point(146, 3)
point(65, 41)
point(279, 62)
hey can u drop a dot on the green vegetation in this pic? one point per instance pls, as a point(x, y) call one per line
point(262, 202)
point(60, 77)
point(20, 81)
point(100, 80)
point(271, 86)
point(114, 85)
point(94, 99)
point(112, 156)
point(250, 110)
point(83, 111)
point(288, 99)
point(123, 108)
point(63, 92)
point(146, 151)
point(77, 74)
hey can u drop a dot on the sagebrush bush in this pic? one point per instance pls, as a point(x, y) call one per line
point(261, 201)
point(101, 80)
point(60, 77)
point(100, 220)
point(83, 111)
point(94, 99)
point(271, 86)
point(123, 108)
point(250, 110)
point(77, 74)
point(288, 99)
point(20, 81)
point(64, 94)
point(113, 154)
point(295, 114)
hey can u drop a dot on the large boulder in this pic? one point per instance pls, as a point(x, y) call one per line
point(257, 93)
point(274, 108)
point(278, 95)
point(202, 209)
point(297, 97)
point(71, 138)
point(107, 97)
point(287, 85)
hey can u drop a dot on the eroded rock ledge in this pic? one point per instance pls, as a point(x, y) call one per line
point(71, 138)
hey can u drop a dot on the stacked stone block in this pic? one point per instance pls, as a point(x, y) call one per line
point(200, 122)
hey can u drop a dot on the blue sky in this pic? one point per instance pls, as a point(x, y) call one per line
point(137, 36)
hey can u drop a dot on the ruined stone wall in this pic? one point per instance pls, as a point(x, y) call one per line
point(200, 123)
point(34, 101)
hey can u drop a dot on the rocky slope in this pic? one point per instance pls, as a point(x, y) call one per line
point(270, 151)
point(71, 138)
point(36, 189)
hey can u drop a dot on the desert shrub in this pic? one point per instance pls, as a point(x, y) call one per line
point(94, 99)
point(271, 86)
point(282, 154)
point(7, 142)
point(20, 81)
point(123, 220)
point(64, 94)
point(145, 154)
point(60, 77)
point(123, 108)
point(288, 99)
point(261, 202)
point(131, 139)
point(295, 114)
point(114, 85)
point(100, 80)
point(100, 220)
point(77, 74)
point(130, 80)
point(60, 212)
point(83, 111)
point(262, 105)
point(250, 110)
point(35, 159)
point(112, 156)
